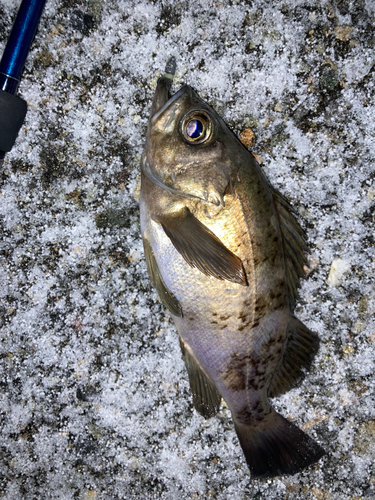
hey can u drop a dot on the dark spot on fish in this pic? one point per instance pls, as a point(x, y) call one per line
point(253, 383)
point(261, 301)
point(241, 328)
point(261, 305)
point(243, 373)
point(255, 324)
point(246, 302)
point(225, 317)
point(242, 317)
point(260, 308)
point(214, 314)
point(249, 416)
point(259, 316)
point(191, 319)
point(268, 344)
point(275, 238)
point(214, 323)
point(235, 373)
point(223, 327)
point(245, 417)
point(270, 358)
point(256, 406)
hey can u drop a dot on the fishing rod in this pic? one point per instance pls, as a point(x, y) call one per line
point(12, 108)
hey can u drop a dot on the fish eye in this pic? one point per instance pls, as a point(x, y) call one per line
point(196, 127)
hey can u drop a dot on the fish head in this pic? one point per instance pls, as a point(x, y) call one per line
point(189, 149)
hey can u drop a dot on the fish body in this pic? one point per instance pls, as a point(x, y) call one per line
point(225, 255)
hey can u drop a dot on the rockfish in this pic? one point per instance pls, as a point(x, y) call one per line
point(226, 254)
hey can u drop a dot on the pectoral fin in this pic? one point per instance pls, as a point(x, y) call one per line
point(206, 399)
point(166, 296)
point(201, 249)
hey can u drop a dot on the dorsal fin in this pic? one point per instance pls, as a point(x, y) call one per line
point(301, 346)
point(294, 244)
point(206, 399)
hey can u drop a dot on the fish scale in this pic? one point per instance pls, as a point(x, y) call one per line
point(225, 254)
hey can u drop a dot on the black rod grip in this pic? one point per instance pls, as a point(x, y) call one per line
point(12, 114)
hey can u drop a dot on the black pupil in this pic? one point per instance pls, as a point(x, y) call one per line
point(194, 129)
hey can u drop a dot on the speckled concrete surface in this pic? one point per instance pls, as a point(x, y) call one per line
point(94, 396)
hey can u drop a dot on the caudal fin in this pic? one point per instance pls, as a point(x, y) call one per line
point(277, 447)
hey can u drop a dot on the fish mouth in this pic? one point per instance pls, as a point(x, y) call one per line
point(162, 97)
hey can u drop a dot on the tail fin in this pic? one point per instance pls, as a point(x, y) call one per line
point(277, 447)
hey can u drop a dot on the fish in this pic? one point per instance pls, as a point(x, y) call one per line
point(225, 253)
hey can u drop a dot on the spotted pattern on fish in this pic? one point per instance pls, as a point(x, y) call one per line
point(253, 414)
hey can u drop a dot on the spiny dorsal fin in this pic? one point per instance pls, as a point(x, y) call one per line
point(199, 246)
point(166, 296)
point(206, 399)
point(294, 244)
point(301, 346)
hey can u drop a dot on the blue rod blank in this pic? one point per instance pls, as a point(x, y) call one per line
point(18, 44)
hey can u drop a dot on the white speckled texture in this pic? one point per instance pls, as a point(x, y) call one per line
point(94, 396)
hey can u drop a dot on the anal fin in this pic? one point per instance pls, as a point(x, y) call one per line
point(206, 398)
point(301, 346)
